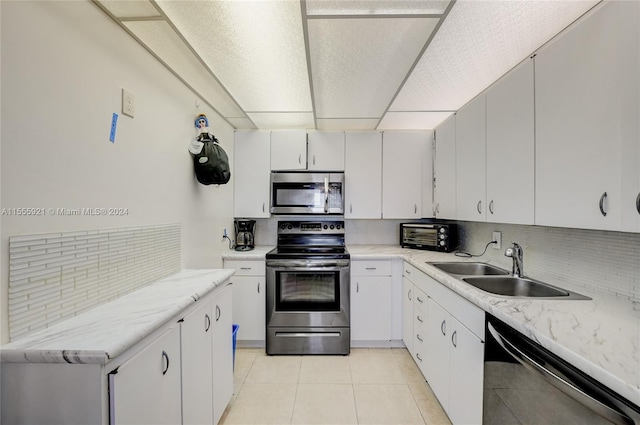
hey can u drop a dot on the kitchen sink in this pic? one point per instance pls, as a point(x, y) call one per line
point(512, 286)
point(470, 269)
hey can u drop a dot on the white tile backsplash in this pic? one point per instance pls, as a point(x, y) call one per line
point(600, 260)
point(58, 275)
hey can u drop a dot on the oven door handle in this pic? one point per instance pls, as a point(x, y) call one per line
point(306, 265)
point(558, 380)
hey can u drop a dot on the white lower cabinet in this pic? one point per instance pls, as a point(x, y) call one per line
point(222, 352)
point(447, 345)
point(249, 300)
point(146, 388)
point(371, 300)
point(407, 314)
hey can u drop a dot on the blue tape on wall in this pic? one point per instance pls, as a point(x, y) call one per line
point(114, 123)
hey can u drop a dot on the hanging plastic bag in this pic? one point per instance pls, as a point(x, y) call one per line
point(210, 161)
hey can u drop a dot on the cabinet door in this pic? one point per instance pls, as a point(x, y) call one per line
point(421, 346)
point(578, 125)
point(146, 388)
point(471, 161)
point(629, 16)
point(445, 170)
point(371, 308)
point(466, 375)
point(249, 307)
point(222, 352)
point(438, 359)
point(403, 157)
point(197, 366)
point(251, 174)
point(407, 314)
point(363, 175)
point(510, 148)
point(288, 150)
point(326, 151)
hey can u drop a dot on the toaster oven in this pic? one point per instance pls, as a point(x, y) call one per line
point(429, 236)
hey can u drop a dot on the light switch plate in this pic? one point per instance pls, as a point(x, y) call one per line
point(128, 103)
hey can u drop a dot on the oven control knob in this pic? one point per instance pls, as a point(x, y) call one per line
point(442, 230)
point(325, 227)
point(441, 243)
point(338, 226)
point(331, 227)
point(442, 236)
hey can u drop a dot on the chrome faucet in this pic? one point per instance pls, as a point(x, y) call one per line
point(516, 254)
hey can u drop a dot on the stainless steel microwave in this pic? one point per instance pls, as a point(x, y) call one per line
point(304, 192)
point(429, 236)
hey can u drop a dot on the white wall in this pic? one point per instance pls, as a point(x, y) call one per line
point(63, 67)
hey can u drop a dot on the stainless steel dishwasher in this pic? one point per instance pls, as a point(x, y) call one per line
point(526, 384)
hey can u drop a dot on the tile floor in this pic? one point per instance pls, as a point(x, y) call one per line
point(370, 386)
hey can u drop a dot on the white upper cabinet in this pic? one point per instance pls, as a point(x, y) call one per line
point(471, 161)
point(297, 150)
point(510, 148)
point(578, 95)
point(629, 16)
point(251, 174)
point(403, 157)
point(326, 151)
point(445, 170)
point(363, 175)
point(289, 150)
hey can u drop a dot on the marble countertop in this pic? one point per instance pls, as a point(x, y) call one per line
point(102, 333)
point(600, 336)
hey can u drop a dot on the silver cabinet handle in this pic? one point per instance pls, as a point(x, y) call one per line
point(314, 160)
point(454, 339)
point(418, 337)
point(258, 287)
point(602, 199)
point(438, 208)
point(443, 327)
point(371, 268)
point(407, 272)
point(245, 268)
point(418, 356)
point(263, 207)
point(638, 203)
point(409, 294)
point(419, 300)
point(218, 313)
point(300, 159)
point(207, 323)
point(419, 319)
point(479, 207)
point(491, 207)
point(351, 206)
point(357, 286)
point(415, 208)
point(165, 357)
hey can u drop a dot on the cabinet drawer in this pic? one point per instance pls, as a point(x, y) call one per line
point(419, 301)
point(371, 268)
point(246, 268)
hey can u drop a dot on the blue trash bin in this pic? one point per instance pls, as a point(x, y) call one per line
point(234, 333)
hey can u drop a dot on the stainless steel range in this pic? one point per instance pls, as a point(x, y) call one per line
point(308, 289)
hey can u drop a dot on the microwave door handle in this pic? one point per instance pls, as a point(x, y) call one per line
point(559, 382)
point(326, 195)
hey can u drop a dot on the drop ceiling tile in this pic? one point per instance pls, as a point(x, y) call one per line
point(358, 64)
point(160, 38)
point(375, 7)
point(255, 48)
point(479, 42)
point(347, 124)
point(412, 120)
point(282, 120)
point(130, 8)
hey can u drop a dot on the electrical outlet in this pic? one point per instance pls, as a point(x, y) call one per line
point(224, 233)
point(497, 236)
point(128, 103)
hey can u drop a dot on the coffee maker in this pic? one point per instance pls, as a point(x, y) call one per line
point(245, 231)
